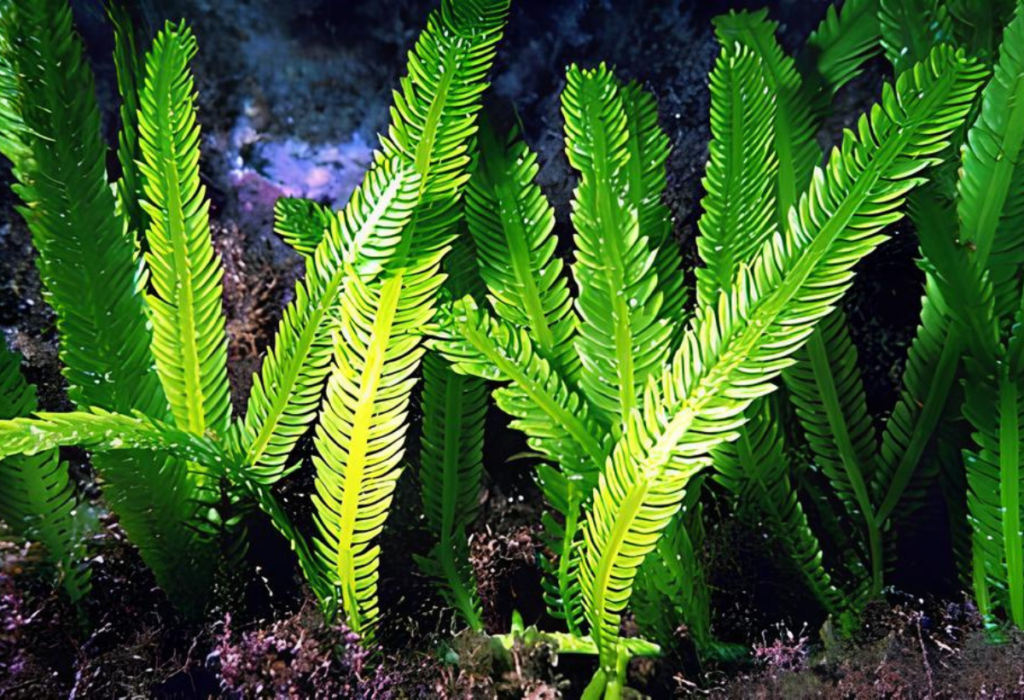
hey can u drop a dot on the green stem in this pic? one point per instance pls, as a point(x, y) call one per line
point(1009, 495)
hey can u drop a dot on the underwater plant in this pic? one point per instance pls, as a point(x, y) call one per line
point(355, 324)
point(628, 421)
point(638, 396)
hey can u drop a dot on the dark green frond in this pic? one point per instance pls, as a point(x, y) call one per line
point(991, 186)
point(451, 465)
point(37, 496)
point(826, 389)
point(130, 68)
point(845, 40)
point(454, 408)
point(911, 29)
point(995, 408)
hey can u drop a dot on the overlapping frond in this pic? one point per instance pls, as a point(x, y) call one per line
point(740, 214)
point(189, 340)
point(129, 66)
point(672, 592)
point(454, 408)
point(826, 390)
point(38, 500)
point(622, 339)
point(978, 25)
point(739, 205)
point(302, 223)
point(733, 352)
point(795, 146)
point(86, 261)
point(995, 408)
point(757, 468)
point(554, 416)
point(360, 439)
point(100, 431)
point(89, 267)
point(557, 423)
point(286, 393)
point(512, 225)
point(451, 465)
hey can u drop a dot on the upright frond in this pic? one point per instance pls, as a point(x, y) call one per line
point(995, 408)
point(360, 438)
point(90, 270)
point(622, 339)
point(840, 46)
point(454, 408)
point(129, 65)
point(189, 340)
point(646, 177)
point(794, 144)
point(991, 186)
point(512, 225)
point(86, 259)
point(739, 204)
